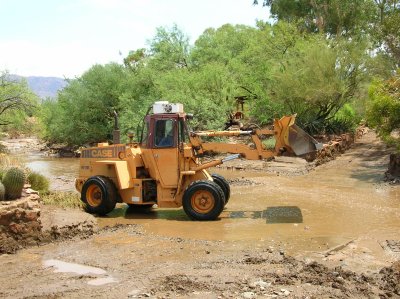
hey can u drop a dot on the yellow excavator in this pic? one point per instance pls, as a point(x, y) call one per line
point(164, 167)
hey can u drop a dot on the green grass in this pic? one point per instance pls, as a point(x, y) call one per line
point(63, 199)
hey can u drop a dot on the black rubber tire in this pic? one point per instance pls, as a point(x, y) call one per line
point(104, 189)
point(223, 183)
point(211, 193)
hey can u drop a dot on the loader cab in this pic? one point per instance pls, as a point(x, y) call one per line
point(164, 130)
point(160, 131)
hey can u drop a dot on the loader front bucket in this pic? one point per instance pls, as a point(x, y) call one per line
point(301, 142)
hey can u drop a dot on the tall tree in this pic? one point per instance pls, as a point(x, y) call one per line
point(169, 48)
point(334, 17)
point(15, 95)
point(317, 80)
point(84, 110)
point(388, 29)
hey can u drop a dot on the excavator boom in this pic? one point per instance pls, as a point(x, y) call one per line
point(288, 138)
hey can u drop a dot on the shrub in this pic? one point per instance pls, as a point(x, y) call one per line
point(383, 110)
point(38, 182)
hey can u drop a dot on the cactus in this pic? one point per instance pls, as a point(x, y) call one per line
point(2, 173)
point(13, 181)
point(2, 192)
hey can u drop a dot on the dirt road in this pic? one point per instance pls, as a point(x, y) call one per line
point(331, 232)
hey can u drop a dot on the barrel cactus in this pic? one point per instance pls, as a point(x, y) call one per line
point(2, 173)
point(2, 192)
point(13, 181)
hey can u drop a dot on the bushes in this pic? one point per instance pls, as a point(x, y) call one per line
point(383, 110)
point(38, 182)
point(344, 121)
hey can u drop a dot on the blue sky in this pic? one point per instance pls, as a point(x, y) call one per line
point(64, 38)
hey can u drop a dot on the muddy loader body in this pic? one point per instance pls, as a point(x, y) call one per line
point(164, 168)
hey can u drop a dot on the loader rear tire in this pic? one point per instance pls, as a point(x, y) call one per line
point(223, 183)
point(203, 200)
point(99, 195)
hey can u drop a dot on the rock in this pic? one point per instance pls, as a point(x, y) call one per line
point(248, 295)
point(20, 223)
point(260, 283)
point(286, 293)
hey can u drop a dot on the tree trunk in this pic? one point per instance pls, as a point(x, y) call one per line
point(394, 166)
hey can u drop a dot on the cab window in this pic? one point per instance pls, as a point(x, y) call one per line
point(183, 135)
point(164, 133)
point(145, 132)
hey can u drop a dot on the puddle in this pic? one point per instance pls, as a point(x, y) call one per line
point(101, 281)
point(64, 267)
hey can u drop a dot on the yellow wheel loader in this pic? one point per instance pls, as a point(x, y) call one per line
point(164, 167)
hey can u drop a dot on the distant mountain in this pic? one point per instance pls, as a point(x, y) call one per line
point(46, 87)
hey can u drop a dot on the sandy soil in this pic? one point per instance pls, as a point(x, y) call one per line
point(325, 232)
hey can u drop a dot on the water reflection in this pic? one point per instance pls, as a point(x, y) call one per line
point(60, 171)
point(283, 215)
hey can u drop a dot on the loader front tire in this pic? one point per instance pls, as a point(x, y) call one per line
point(223, 183)
point(99, 195)
point(203, 200)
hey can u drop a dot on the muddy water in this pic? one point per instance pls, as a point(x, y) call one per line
point(342, 202)
point(60, 171)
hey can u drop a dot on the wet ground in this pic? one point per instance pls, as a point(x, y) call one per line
point(340, 215)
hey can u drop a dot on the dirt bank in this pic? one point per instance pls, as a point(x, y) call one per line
point(26, 222)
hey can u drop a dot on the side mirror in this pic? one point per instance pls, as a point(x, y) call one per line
point(189, 116)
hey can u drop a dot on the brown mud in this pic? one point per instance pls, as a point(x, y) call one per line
point(330, 231)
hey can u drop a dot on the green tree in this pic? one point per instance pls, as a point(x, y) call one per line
point(169, 49)
point(383, 111)
point(317, 79)
point(388, 29)
point(84, 110)
point(334, 17)
point(17, 105)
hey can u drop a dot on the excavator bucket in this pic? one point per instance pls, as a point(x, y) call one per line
point(301, 142)
point(294, 138)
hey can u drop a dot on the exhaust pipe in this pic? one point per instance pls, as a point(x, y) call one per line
point(116, 131)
